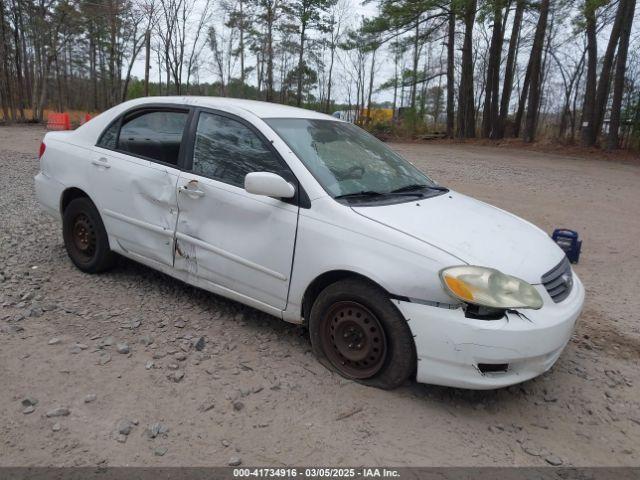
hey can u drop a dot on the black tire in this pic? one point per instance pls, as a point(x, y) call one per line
point(85, 237)
point(363, 306)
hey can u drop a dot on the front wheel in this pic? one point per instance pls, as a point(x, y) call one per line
point(85, 237)
point(357, 332)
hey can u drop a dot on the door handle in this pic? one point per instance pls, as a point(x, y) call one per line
point(194, 193)
point(101, 162)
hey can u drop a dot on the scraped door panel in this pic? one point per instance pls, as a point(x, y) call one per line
point(138, 204)
point(236, 240)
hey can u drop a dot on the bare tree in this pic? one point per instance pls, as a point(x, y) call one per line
point(535, 85)
point(613, 139)
point(466, 105)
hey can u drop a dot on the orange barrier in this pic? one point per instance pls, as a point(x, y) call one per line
point(87, 117)
point(58, 121)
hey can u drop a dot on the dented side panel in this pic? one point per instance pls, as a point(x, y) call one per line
point(236, 240)
point(139, 204)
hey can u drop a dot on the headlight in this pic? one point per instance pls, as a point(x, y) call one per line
point(489, 287)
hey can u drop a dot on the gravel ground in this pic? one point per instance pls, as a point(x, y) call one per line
point(104, 370)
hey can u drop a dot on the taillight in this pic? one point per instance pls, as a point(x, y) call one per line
point(43, 147)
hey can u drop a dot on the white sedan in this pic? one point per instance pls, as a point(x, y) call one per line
point(312, 220)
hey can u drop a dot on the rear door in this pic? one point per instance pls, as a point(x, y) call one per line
point(232, 239)
point(137, 165)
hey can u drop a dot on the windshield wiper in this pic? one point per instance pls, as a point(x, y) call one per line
point(410, 188)
point(407, 190)
point(362, 194)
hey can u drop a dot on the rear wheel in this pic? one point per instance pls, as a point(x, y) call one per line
point(85, 237)
point(357, 332)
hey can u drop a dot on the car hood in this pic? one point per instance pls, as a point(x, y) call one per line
point(474, 232)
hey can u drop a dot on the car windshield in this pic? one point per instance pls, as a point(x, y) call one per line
point(347, 161)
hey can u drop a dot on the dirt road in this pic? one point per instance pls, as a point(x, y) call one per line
point(255, 394)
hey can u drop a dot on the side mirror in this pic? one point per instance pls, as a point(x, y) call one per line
point(268, 184)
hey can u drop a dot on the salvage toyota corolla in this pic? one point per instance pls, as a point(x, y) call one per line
point(314, 221)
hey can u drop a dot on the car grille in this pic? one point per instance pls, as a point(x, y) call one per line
point(559, 281)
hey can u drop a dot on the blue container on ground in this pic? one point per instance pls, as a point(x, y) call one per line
point(569, 241)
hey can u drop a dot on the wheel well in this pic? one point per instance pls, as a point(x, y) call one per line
point(323, 281)
point(70, 194)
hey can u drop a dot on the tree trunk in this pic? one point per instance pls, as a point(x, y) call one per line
point(613, 140)
point(414, 70)
point(373, 62)
point(334, 36)
point(522, 102)
point(147, 60)
point(451, 36)
point(466, 107)
point(269, 86)
point(20, 84)
point(300, 64)
point(510, 69)
point(489, 112)
point(8, 105)
point(589, 104)
point(604, 82)
point(535, 86)
point(395, 88)
point(241, 43)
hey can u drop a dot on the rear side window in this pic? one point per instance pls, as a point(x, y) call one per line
point(109, 138)
point(155, 135)
point(226, 150)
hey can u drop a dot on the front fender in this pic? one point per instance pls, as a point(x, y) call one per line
point(333, 237)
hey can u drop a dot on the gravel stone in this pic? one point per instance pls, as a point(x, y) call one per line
point(59, 412)
point(553, 460)
point(125, 426)
point(176, 376)
point(106, 342)
point(160, 451)
point(104, 359)
point(157, 429)
point(207, 406)
point(199, 344)
point(29, 402)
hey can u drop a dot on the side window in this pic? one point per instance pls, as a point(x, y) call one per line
point(109, 138)
point(153, 134)
point(227, 150)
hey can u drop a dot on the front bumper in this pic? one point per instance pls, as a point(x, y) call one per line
point(451, 347)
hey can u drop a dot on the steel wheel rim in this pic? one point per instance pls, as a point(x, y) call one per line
point(353, 340)
point(83, 236)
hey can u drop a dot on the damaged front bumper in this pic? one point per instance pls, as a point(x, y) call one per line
point(456, 351)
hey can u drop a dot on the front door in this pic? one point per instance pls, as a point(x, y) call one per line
point(227, 237)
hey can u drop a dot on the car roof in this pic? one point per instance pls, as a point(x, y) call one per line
point(257, 108)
